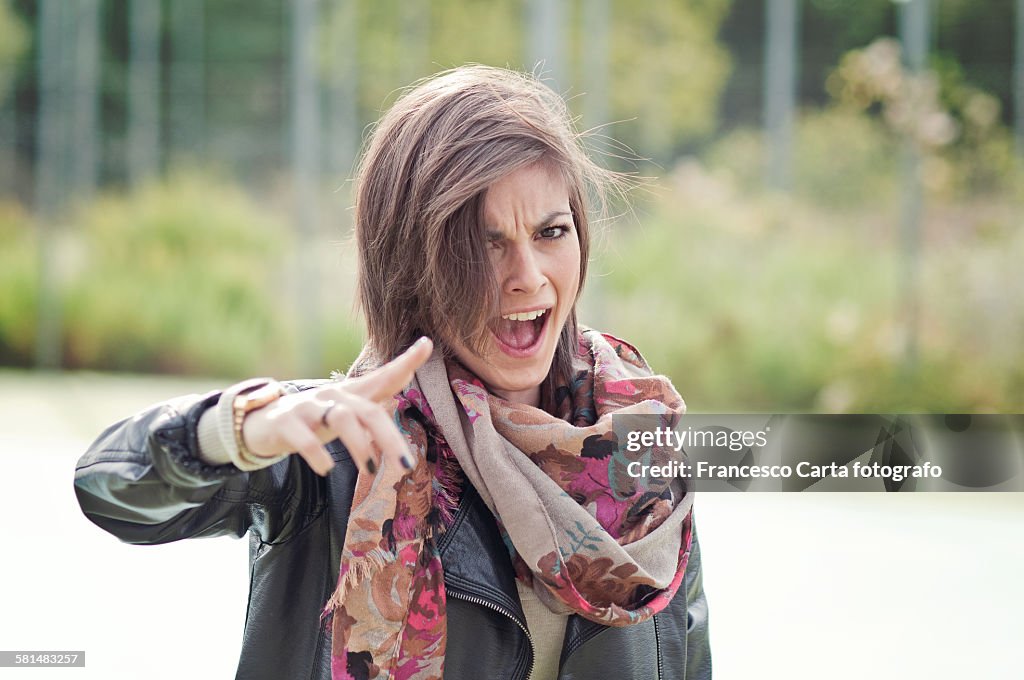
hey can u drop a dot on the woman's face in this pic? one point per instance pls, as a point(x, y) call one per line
point(535, 253)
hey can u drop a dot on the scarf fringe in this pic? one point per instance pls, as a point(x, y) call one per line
point(449, 488)
point(358, 569)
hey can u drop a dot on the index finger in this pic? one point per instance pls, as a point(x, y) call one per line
point(392, 377)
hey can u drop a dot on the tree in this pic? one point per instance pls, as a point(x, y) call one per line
point(667, 71)
point(13, 43)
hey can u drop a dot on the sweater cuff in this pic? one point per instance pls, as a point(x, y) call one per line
point(211, 450)
point(216, 432)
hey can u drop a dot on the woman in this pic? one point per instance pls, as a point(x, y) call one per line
point(455, 506)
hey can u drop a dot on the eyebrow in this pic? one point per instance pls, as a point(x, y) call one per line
point(495, 235)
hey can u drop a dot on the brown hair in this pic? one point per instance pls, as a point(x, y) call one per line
point(421, 184)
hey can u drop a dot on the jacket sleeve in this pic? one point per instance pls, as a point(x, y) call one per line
point(142, 481)
point(698, 647)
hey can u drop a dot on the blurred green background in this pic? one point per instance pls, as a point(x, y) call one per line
point(831, 220)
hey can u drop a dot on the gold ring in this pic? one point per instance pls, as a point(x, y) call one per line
point(323, 417)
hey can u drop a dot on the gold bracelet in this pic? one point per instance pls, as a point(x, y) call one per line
point(246, 402)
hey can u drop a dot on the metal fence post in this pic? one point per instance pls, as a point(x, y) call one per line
point(780, 90)
point(915, 35)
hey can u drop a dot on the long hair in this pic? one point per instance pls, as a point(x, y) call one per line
point(421, 185)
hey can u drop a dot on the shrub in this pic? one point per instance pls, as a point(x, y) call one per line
point(763, 303)
point(19, 284)
point(182, 276)
point(841, 159)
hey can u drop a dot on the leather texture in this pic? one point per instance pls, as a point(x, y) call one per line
point(142, 481)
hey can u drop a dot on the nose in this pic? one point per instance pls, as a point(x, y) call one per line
point(522, 273)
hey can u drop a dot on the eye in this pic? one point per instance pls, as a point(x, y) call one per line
point(555, 232)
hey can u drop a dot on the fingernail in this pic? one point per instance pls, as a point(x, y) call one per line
point(422, 341)
point(371, 467)
point(407, 461)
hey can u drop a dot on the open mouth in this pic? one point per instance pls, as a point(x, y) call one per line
point(519, 334)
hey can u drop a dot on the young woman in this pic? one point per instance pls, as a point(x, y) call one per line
point(456, 506)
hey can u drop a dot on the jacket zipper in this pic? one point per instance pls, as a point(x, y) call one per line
point(657, 646)
point(501, 610)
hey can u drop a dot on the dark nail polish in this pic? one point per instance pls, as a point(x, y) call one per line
point(371, 467)
point(407, 461)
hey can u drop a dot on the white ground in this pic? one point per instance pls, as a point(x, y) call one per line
point(815, 586)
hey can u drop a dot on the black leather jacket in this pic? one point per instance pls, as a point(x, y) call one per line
point(143, 482)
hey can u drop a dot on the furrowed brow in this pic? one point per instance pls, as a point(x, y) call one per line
point(496, 235)
point(551, 217)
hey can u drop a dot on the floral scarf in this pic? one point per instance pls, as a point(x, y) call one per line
point(588, 537)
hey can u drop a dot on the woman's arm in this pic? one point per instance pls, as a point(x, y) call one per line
point(143, 481)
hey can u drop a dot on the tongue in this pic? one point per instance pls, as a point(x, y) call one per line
point(517, 334)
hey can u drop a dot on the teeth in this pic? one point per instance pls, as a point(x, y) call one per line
point(524, 316)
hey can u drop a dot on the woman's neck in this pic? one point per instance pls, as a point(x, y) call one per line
point(530, 397)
